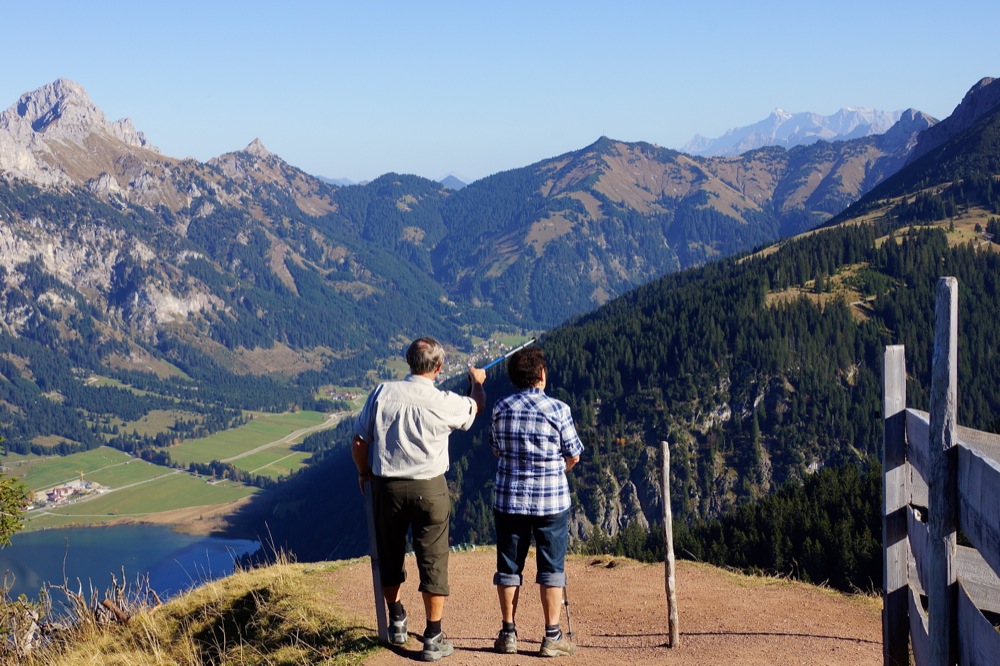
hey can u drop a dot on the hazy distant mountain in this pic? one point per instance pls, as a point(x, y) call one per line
point(340, 182)
point(795, 129)
point(452, 183)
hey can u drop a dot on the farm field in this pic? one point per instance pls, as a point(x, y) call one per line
point(239, 446)
point(274, 462)
point(40, 473)
point(170, 491)
point(140, 489)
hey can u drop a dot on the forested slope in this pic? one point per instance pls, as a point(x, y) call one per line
point(758, 371)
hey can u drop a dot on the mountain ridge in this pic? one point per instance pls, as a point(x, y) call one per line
point(229, 265)
point(759, 370)
point(788, 130)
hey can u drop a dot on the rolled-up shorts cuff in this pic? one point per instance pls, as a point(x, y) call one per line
point(551, 579)
point(508, 580)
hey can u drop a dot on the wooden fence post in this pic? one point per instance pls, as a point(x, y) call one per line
point(942, 592)
point(668, 551)
point(380, 610)
point(895, 498)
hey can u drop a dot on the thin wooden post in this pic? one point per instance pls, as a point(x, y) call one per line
point(895, 499)
point(942, 591)
point(668, 551)
point(380, 610)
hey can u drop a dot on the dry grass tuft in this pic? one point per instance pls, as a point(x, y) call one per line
point(272, 615)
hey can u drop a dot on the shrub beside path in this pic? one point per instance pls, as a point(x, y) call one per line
point(618, 616)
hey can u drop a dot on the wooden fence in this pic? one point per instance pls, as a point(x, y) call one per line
point(941, 599)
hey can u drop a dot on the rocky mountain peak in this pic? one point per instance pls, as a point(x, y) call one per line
point(41, 135)
point(907, 129)
point(62, 110)
point(257, 149)
point(981, 99)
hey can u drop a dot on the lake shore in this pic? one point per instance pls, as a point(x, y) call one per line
point(220, 520)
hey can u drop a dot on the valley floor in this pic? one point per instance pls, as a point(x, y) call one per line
point(618, 615)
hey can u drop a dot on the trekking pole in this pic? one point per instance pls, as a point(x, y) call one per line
point(499, 359)
point(380, 609)
point(510, 353)
point(569, 625)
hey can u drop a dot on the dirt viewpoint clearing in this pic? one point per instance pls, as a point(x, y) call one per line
point(618, 615)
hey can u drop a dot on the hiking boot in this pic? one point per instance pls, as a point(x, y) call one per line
point(397, 630)
point(436, 647)
point(563, 647)
point(506, 642)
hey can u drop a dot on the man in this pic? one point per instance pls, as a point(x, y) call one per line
point(534, 437)
point(401, 445)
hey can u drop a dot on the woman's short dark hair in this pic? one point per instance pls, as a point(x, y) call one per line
point(525, 367)
point(424, 355)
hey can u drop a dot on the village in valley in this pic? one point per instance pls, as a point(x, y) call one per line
point(65, 493)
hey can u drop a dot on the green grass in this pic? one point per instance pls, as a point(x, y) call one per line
point(140, 488)
point(513, 340)
point(172, 490)
point(16, 459)
point(273, 462)
point(132, 471)
point(159, 420)
point(264, 429)
point(41, 473)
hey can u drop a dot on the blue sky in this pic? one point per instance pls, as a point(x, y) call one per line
point(357, 89)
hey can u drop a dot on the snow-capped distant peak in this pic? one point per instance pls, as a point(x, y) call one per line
point(786, 129)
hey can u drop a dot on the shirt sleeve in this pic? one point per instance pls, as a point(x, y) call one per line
point(494, 442)
point(364, 422)
point(461, 409)
point(571, 444)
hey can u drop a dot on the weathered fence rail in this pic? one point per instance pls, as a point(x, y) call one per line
point(939, 479)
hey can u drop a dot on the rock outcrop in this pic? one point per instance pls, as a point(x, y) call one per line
point(55, 134)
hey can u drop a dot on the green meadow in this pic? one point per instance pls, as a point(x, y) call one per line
point(40, 473)
point(275, 462)
point(170, 491)
point(139, 488)
point(235, 445)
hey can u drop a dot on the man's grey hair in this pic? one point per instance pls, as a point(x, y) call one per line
point(424, 355)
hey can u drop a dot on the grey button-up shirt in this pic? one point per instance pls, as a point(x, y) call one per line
point(407, 424)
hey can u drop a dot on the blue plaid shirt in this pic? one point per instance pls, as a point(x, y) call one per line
point(532, 434)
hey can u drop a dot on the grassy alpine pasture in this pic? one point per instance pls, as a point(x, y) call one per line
point(235, 446)
point(275, 462)
point(157, 421)
point(40, 473)
point(140, 488)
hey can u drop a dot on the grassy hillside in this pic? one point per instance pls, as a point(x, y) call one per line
point(276, 615)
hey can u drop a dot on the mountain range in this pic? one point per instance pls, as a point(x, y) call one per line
point(119, 260)
point(762, 374)
point(788, 130)
point(671, 312)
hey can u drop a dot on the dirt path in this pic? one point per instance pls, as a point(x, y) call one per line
point(618, 616)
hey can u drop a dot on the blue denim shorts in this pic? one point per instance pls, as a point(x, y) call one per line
point(514, 534)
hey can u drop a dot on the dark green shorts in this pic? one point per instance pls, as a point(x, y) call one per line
point(423, 506)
